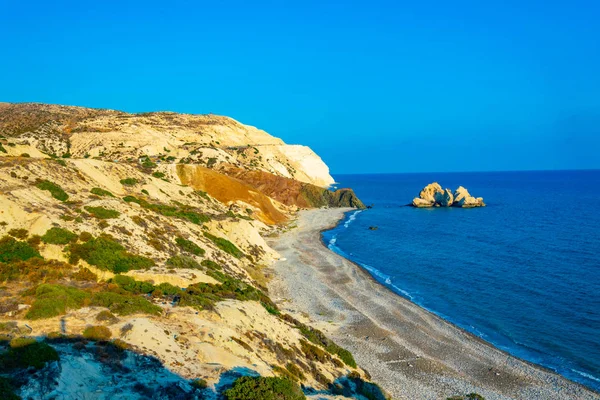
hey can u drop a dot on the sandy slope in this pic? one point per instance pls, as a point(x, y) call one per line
point(410, 352)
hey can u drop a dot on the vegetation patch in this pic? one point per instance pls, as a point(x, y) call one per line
point(15, 250)
point(59, 236)
point(224, 245)
point(121, 304)
point(130, 285)
point(210, 264)
point(129, 182)
point(34, 270)
point(105, 253)
point(183, 262)
point(27, 354)
point(264, 388)
point(56, 191)
point(317, 337)
point(53, 300)
point(102, 213)
point(7, 390)
point(189, 246)
point(470, 396)
point(97, 333)
point(19, 233)
point(181, 211)
point(101, 192)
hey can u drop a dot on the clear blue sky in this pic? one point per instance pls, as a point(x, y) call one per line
point(373, 86)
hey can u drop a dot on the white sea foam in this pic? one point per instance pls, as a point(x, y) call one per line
point(589, 376)
point(352, 218)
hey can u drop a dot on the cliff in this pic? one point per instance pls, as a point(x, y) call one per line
point(145, 232)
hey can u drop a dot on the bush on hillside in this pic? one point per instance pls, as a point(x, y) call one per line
point(56, 191)
point(129, 181)
point(224, 245)
point(189, 246)
point(19, 233)
point(59, 236)
point(14, 250)
point(264, 388)
point(106, 253)
point(53, 300)
point(181, 211)
point(121, 304)
point(101, 192)
point(31, 354)
point(183, 262)
point(97, 333)
point(129, 284)
point(102, 213)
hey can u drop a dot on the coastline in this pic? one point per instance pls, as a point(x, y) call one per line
point(411, 352)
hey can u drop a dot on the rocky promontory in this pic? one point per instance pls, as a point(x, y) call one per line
point(433, 195)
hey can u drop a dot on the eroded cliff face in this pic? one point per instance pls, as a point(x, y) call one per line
point(128, 230)
point(208, 140)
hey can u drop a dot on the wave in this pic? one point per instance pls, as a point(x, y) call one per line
point(586, 375)
point(351, 218)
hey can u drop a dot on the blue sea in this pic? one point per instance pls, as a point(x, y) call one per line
point(522, 273)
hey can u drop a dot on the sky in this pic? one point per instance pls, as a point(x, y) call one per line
point(371, 86)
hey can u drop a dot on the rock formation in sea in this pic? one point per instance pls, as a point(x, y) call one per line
point(433, 195)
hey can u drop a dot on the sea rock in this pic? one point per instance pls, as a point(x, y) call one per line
point(433, 195)
point(463, 199)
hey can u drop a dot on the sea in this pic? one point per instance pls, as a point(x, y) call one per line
point(522, 273)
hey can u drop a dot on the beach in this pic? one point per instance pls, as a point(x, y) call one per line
point(409, 351)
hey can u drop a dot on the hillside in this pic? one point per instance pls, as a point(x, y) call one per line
point(133, 237)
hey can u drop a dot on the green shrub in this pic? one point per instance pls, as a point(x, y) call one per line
point(189, 246)
point(13, 250)
point(145, 192)
point(102, 213)
point(224, 245)
point(264, 388)
point(28, 354)
point(33, 354)
point(121, 304)
point(59, 236)
point(183, 262)
point(53, 300)
point(61, 162)
point(56, 191)
point(101, 192)
point(7, 391)
point(97, 333)
point(129, 284)
point(129, 181)
point(199, 384)
point(168, 290)
point(106, 316)
point(319, 338)
point(19, 233)
point(2, 149)
point(210, 264)
point(105, 253)
point(294, 370)
point(158, 174)
point(181, 211)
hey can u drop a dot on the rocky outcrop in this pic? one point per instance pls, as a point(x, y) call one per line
point(294, 193)
point(463, 199)
point(433, 195)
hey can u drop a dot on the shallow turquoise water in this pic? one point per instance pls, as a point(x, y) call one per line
point(522, 273)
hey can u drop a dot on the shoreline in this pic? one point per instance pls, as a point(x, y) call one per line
point(410, 351)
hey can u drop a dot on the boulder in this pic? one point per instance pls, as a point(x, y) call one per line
point(462, 198)
point(433, 195)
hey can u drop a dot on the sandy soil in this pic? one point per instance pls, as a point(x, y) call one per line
point(409, 351)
